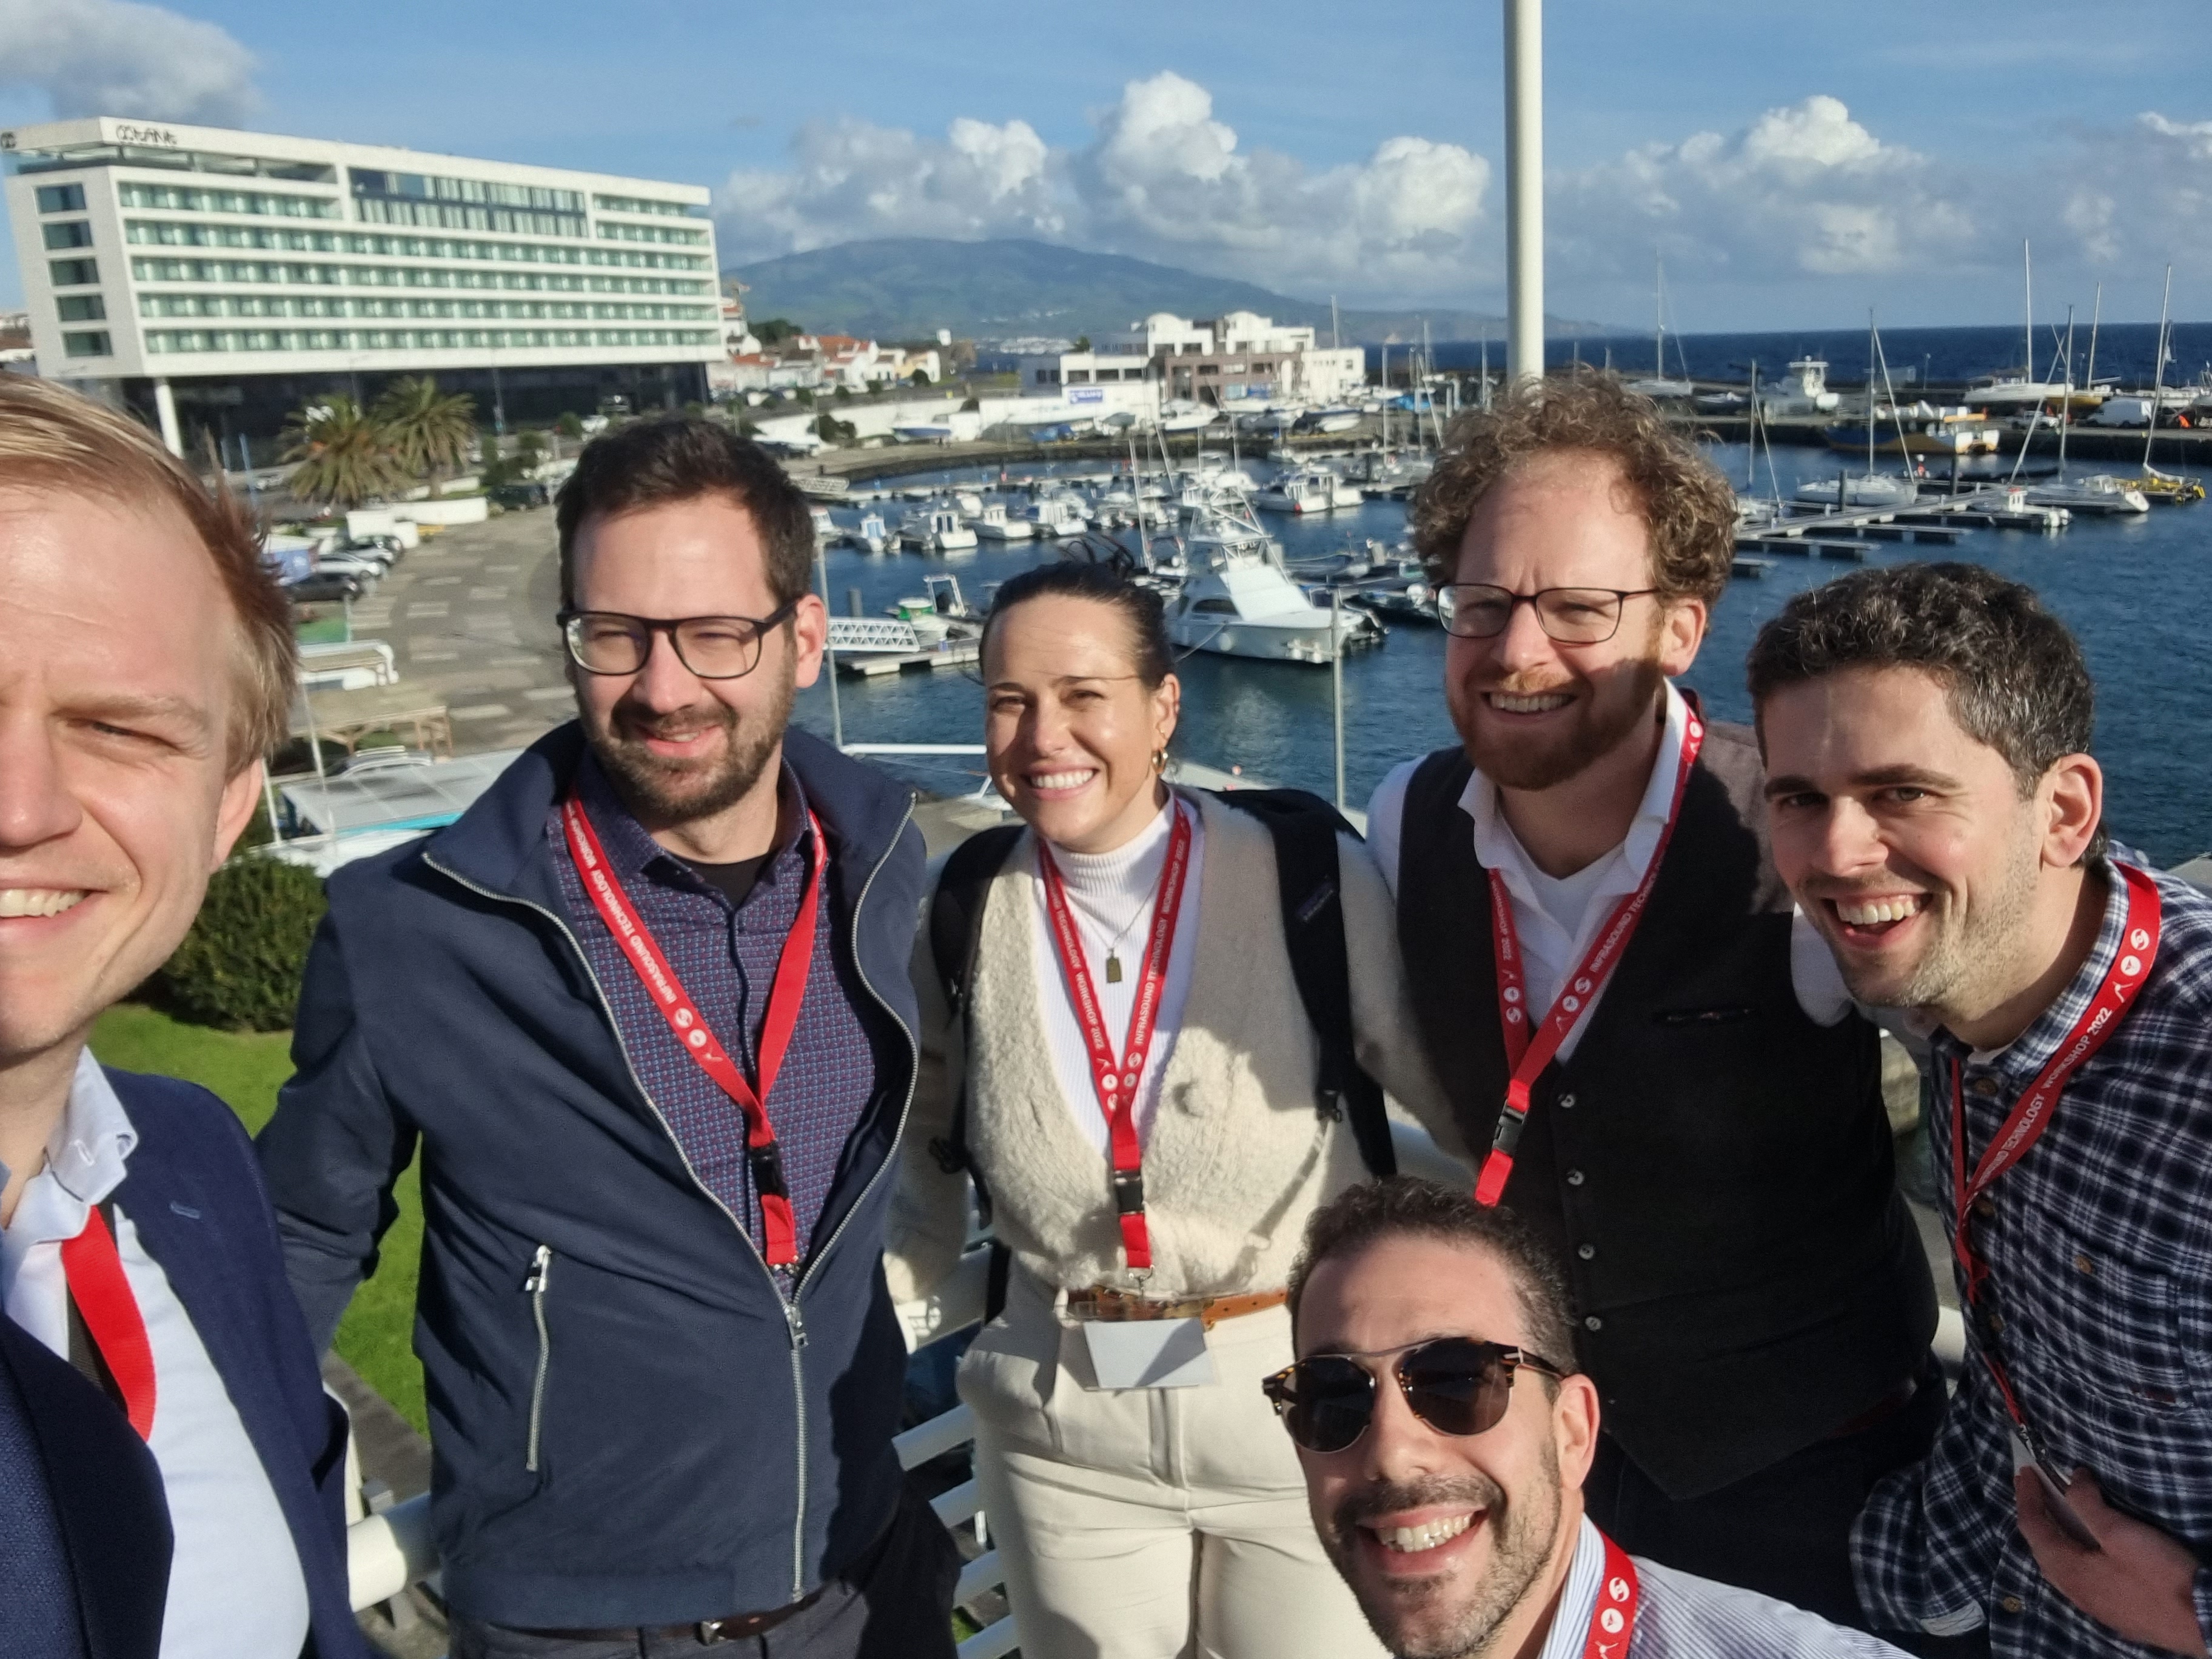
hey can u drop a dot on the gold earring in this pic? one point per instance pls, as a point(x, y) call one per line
point(1160, 759)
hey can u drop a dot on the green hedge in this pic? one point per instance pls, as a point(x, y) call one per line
point(240, 967)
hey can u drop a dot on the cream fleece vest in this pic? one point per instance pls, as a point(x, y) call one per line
point(1238, 1155)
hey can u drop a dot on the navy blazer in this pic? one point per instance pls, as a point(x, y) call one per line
point(98, 1548)
point(194, 1191)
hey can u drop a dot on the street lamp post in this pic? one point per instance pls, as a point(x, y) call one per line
point(1524, 190)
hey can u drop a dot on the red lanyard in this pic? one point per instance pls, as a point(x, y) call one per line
point(2031, 1114)
point(785, 994)
point(1115, 1080)
point(1612, 1621)
point(1529, 1056)
point(93, 1269)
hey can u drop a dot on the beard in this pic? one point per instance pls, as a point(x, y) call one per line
point(663, 790)
point(1446, 1617)
point(1607, 713)
point(1963, 954)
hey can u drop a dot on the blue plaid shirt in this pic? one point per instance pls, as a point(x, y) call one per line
point(2098, 1243)
point(725, 955)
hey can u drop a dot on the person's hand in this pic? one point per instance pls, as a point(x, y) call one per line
point(2140, 1584)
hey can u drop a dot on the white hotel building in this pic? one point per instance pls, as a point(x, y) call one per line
point(217, 280)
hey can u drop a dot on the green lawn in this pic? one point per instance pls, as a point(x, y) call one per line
point(246, 1068)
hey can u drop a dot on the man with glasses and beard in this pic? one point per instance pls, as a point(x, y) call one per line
point(1445, 1434)
point(1646, 1055)
point(645, 1010)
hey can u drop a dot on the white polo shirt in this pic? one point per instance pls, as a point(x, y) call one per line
point(235, 1588)
point(1557, 918)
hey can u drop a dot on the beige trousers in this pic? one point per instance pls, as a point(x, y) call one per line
point(1149, 1523)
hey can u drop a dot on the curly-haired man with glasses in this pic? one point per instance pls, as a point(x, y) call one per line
point(1445, 1433)
point(645, 1008)
point(1647, 1056)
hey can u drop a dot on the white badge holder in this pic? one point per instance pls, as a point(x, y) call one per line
point(1148, 1353)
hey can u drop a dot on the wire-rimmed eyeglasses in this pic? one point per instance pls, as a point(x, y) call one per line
point(712, 648)
point(1572, 616)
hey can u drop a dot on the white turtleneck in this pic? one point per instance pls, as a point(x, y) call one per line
point(1109, 892)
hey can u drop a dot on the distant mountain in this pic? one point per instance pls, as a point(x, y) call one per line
point(908, 287)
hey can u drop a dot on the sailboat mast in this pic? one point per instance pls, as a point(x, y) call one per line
point(1869, 392)
point(1659, 316)
point(2066, 402)
point(2158, 373)
point(2027, 276)
point(2096, 314)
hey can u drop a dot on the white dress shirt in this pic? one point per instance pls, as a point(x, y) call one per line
point(1557, 918)
point(235, 1588)
point(1112, 896)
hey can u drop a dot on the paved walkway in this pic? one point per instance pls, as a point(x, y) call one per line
point(469, 616)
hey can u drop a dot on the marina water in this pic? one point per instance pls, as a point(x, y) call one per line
point(2137, 592)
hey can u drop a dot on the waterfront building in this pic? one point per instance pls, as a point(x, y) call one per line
point(214, 280)
point(1220, 362)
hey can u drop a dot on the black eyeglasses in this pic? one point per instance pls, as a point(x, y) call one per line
point(713, 647)
point(1572, 616)
point(1454, 1385)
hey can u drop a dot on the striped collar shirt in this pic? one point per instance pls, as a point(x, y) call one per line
point(1682, 1616)
point(725, 955)
point(2098, 1245)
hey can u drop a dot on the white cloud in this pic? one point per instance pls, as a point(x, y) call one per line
point(1804, 191)
point(2137, 196)
point(1162, 179)
point(115, 57)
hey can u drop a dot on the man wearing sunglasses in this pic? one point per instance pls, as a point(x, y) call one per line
point(1646, 1056)
point(1444, 1453)
point(645, 1010)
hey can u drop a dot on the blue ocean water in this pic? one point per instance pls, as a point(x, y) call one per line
point(1943, 355)
point(2137, 593)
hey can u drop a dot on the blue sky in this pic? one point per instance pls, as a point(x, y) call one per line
point(1796, 164)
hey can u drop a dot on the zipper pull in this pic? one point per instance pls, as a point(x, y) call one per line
point(797, 1320)
point(541, 1265)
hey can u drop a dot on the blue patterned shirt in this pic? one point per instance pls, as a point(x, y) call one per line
point(2098, 1243)
point(725, 955)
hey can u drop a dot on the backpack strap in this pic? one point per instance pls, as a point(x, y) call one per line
point(955, 930)
point(1304, 828)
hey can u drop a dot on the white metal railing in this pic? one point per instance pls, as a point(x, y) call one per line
point(391, 1548)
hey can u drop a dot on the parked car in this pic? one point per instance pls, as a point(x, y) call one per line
point(528, 492)
point(387, 542)
point(364, 571)
point(324, 588)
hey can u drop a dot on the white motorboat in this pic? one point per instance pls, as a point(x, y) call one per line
point(1179, 415)
point(1307, 489)
point(1337, 419)
point(1868, 489)
point(968, 503)
point(927, 430)
point(1804, 391)
point(2102, 493)
point(992, 525)
point(936, 530)
point(1656, 389)
point(825, 527)
point(1057, 517)
point(1237, 601)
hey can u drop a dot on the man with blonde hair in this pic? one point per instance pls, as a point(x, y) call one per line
point(148, 665)
point(1646, 1056)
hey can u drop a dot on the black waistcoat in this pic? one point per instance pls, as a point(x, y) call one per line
point(1714, 1169)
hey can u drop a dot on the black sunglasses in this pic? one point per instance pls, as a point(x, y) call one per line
point(1454, 1385)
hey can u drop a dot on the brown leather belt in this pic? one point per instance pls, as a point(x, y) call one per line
point(1102, 1302)
point(706, 1632)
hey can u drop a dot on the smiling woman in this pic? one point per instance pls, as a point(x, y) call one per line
point(1136, 1084)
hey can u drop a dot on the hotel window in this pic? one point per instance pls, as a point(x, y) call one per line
point(82, 308)
point(73, 273)
point(90, 344)
point(70, 233)
point(61, 199)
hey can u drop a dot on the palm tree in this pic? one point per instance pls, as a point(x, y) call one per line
point(429, 432)
point(344, 456)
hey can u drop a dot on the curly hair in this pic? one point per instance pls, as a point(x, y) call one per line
point(1681, 496)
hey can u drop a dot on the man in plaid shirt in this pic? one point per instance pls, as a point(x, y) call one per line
point(1936, 814)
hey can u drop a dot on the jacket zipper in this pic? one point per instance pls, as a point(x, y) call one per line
point(541, 1269)
point(794, 1321)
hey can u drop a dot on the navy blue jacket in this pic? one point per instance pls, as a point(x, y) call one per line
point(194, 1193)
point(643, 1431)
point(84, 1527)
